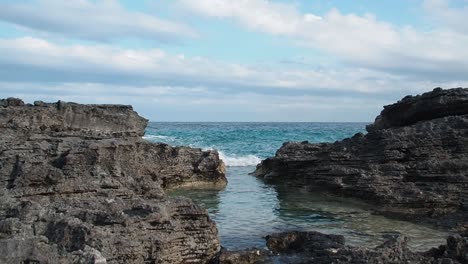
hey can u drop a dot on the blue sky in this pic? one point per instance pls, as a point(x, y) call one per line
point(224, 60)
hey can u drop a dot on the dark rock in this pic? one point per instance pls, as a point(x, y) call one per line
point(248, 256)
point(412, 109)
point(455, 250)
point(11, 102)
point(70, 119)
point(80, 185)
point(413, 162)
point(298, 242)
point(314, 247)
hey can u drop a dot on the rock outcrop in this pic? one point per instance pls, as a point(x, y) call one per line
point(80, 185)
point(314, 247)
point(413, 162)
point(298, 247)
point(247, 256)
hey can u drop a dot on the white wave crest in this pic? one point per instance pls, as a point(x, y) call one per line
point(158, 137)
point(242, 161)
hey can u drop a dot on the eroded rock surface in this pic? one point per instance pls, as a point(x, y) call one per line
point(247, 256)
point(298, 247)
point(314, 247)
point(79, 185)
point(413, 162)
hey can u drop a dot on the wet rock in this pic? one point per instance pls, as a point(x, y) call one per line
point(413, 162)
point(80, 185)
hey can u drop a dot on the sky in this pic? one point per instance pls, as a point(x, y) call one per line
point(225, 60)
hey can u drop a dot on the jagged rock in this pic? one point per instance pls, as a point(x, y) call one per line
point(428, 106)
point(248, 256)
point(63, 119)
point(413, 162)
point(455, 251)
point(314, 247)
point(299, 242)
point(80, 185)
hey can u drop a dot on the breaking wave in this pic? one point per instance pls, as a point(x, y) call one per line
point(156, 137)
point(239, 161)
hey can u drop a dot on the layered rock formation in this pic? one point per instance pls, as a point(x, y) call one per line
point(413, 162)
point(79, 185)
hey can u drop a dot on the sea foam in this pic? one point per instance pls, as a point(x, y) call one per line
point(157, 137)
point(239, 161)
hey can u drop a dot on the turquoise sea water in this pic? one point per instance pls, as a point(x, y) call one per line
point(242, 144)
point(248, 209)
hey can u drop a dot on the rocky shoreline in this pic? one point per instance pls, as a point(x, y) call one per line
point(80, 185)
point(318, 248)
point(412, 163)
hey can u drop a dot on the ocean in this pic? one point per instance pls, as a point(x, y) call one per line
point(248, 209)
point(246, 144)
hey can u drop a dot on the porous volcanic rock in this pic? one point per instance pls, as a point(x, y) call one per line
point(80, 185)
point(413, 162)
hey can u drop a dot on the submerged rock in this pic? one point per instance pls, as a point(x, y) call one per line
point(80, 185)
point(413, 162)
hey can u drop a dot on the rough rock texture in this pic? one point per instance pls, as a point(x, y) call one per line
point(79, 185)
point(314, 247)
point(301, 242)
point(456, 250)
point(413, 161)
point(248, 256)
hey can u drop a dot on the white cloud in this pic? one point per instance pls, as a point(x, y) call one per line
point(162, 103)
point(274, 18)
point(39, 60)
point(46, 61)
point(95, 20)
point(360, 40)
point(384, 62)
point(443, 13)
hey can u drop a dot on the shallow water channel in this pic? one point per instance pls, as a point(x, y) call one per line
point(248, 209)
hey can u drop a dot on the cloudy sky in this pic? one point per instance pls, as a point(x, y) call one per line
point(233, 60)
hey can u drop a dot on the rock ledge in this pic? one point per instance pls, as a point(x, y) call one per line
point(80, 185)
point(413, 162)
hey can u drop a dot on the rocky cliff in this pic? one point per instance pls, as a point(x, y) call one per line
point(79, 185)
point(413, 162)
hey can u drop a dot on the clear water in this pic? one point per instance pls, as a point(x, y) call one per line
point(248, 209)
